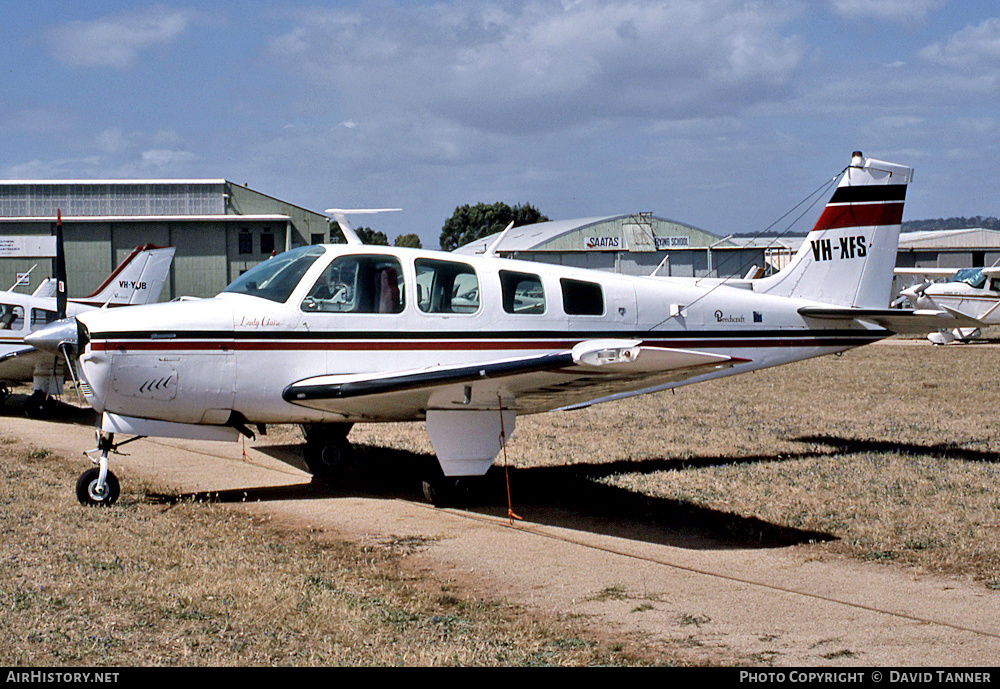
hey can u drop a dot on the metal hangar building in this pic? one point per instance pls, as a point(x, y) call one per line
point(631, 244)
point(219, 229)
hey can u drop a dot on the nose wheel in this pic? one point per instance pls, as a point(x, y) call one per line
point(98, 486)
point(92, 491)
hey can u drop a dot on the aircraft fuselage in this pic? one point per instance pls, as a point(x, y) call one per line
point(199, 362)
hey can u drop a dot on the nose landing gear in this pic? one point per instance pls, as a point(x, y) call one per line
point(98, 486)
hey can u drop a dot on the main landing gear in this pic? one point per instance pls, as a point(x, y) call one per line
point(39, 405)
point(328, 452)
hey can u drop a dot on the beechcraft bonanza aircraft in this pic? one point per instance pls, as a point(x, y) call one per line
point(138, 279)
point(329, 336)
point(970, 296)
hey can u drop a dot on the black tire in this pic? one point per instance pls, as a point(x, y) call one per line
point(86, 487)
point(438, 492)
point(37, 406)
point(326, 461)
point(445, 491)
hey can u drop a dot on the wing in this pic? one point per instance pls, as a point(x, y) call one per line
point(16, 353)
point(591, 370)
point(18, 364)
point(931, 272)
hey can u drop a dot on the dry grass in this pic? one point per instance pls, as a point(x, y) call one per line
point(887, 454)
point(884, 453)
point(190, 583)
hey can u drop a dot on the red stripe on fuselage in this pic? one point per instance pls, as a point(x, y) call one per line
point(860, 215)
point(194, 346)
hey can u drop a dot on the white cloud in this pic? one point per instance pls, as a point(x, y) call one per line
point(890, 10)
point(539, 66)
point(162, 158)
point(974, 48)
point(116, 40)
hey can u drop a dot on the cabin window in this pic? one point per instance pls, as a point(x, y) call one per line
point(278, 277)
point(358, 284)
point(446, 287)
point(11, 317)
point(582, 298)
point(522, 292)
point(42, 317)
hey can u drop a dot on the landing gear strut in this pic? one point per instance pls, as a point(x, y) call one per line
point(98, 486)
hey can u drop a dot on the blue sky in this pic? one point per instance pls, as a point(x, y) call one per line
point(717, 113)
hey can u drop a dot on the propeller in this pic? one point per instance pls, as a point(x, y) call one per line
point(915, 293)
point(59, 268)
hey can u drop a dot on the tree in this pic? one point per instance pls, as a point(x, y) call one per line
point(408, 240)
point(370, 236)
point(469, 223)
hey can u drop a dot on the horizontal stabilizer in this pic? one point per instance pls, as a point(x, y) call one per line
point(899, 321)
point(992, 271)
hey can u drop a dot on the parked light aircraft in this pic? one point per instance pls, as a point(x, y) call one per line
point(329, 336)
point(970, 295)
point(138, 279)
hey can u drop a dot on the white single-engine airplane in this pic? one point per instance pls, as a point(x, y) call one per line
point(139, 279)
point(329, 336)
point(969, 295)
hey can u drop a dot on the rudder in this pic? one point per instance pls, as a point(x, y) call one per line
point(848, 257)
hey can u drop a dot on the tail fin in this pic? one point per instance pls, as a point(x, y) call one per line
point(849, 256)
point(139, 279)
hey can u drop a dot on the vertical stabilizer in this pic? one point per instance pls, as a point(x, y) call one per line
point(849, 256)
point(138, 280)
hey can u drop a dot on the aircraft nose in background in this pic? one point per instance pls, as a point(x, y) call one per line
point(50, 338)
point(915, 294)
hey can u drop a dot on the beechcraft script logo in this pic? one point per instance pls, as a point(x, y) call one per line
point(849, 247)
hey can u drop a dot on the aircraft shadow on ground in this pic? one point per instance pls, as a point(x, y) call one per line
point(570, 497)
point(939, 450)
point(59, 411)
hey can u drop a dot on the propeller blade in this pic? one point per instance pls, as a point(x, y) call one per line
point(59, 268)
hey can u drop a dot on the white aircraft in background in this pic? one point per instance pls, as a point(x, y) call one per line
point(329, 336)
point(138, 279)
point(969, 295)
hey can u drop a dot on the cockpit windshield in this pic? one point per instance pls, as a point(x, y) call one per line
point(277, 277)
point(971, 276)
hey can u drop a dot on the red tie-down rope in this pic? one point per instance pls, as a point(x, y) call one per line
point(503, 445)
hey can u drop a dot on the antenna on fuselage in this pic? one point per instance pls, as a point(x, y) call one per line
point(492, 247)
point(340, 215)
